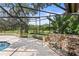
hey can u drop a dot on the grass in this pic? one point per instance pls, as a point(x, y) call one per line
point(31, 33)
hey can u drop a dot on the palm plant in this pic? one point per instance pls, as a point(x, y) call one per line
point(59, 23)
point(65, 24)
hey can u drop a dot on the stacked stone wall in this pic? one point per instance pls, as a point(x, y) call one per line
point(67, 43)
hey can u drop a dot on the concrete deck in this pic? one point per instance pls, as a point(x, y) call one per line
point(25, 47)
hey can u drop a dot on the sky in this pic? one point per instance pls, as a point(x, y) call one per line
point(53, 9)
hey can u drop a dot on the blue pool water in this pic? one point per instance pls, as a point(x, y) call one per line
point(3, 45)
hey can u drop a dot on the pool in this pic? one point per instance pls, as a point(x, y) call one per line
point(4, 45)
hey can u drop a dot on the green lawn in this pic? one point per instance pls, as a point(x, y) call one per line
point(29, 34)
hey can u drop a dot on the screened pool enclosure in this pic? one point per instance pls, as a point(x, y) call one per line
point(26, 19)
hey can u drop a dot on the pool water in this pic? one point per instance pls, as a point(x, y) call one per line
point(3, 45)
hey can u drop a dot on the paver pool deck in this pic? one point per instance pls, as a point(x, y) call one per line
point(25, 47)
